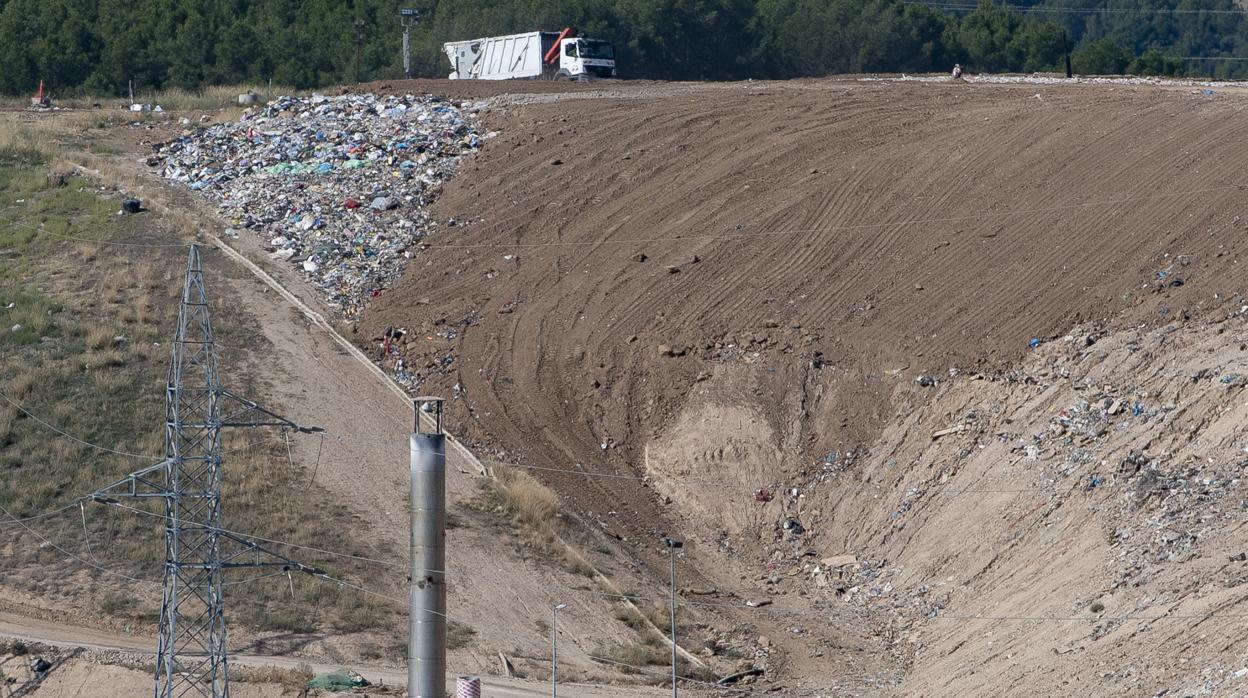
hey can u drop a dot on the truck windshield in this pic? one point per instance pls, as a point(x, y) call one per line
point(597, 49)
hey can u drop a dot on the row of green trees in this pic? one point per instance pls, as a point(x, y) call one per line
point(99, 46)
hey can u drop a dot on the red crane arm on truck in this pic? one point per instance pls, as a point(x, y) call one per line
point(553, 54)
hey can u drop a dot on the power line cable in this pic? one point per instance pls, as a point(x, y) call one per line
point(72, 556)
point(1048, 489)
point(581, 472)
point(258, 578)
point(631, 598)
point(78, 500)
point(739, 234)
point(364, 590)
point(71, 437)
point(666, 675)
point(101, 568)
point(683, 601)
point(44, 515)
point(1097, 619)
point(86, 537)
point(116, 243)
point(218, 529)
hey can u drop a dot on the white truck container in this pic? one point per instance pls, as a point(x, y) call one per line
point(531, 55)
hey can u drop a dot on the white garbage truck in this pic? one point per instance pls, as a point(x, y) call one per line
point(549, 55)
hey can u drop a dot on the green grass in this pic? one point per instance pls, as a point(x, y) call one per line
point(37, 216)
point(32, 316)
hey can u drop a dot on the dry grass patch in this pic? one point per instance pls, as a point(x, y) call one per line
point(20, 384)
point(296, 678)
point(86, 251)
point(8, 416)
point(100, 337)
point(526, 499)
point(458, 635)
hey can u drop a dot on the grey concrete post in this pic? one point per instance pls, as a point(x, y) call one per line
point(426, 647)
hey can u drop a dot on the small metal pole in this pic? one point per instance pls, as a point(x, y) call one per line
point(671, 557)
point(672, 544)
point(554, 650)
point(1066, 53)
point(359, 42)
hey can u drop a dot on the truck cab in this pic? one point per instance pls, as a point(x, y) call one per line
point(586, 58)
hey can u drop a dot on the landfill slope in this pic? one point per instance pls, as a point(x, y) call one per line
point(730, 290)
point(874, 231)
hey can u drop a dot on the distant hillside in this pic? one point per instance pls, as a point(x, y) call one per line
point(100, 46)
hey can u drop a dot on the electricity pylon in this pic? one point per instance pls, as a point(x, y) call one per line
point(191, 651)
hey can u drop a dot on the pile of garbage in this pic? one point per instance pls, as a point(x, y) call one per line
point(338, 186)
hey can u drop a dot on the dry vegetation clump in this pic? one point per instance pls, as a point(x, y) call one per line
point(100, 337)
point(534, 509)
point(296, 678)
point(530, 502)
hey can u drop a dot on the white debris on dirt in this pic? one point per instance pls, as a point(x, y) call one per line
point(338, 187)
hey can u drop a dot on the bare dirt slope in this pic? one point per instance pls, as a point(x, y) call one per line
point(730, 288)
point(883, 225)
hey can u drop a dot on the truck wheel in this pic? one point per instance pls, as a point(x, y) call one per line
point(563, 75)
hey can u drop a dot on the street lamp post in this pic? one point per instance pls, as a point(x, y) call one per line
point(359, 43)
point(672, 545)
point(407, 18)
point(554, 650)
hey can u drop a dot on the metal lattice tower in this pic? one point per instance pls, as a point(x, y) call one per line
point(191, 657)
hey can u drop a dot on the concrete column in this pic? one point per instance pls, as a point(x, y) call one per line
point(426, 648)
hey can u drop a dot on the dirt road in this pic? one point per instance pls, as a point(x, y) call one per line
point(70, 637)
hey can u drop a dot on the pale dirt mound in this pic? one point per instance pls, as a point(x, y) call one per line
point(732, 287)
